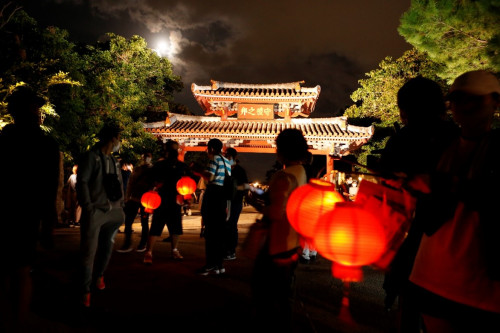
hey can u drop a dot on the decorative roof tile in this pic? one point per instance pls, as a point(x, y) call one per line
point(226, 96)
point(325, 130)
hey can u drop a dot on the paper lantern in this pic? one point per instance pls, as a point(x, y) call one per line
point(351, 237)
point(308, 203)
point(186, 185)
point(150, 200)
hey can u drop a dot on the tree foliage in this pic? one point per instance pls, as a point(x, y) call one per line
point(449, 37)
point(462, 35)
point(85, 85)
point(31, 56)
point(376, 99)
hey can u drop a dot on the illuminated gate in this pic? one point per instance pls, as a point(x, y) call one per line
point(248, 117)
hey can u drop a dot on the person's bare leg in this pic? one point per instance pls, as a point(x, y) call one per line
point(151, 243)
point(175, 251)
point(148, 256)
point(175, 241)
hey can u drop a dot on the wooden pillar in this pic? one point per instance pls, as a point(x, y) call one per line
point(182, 152)
point(223, 116)
point(329, 163)
point(287, 114)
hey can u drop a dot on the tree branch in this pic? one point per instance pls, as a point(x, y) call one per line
point(4, 8)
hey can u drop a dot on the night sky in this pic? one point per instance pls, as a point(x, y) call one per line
point(331, 43)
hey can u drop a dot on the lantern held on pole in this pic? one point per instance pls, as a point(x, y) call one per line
point(308, 203)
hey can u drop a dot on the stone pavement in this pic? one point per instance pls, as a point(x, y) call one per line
point(168, 295)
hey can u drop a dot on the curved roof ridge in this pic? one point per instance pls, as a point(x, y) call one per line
point(287, 85)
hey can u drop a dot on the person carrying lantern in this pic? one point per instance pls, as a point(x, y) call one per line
point(274, 270)
point(140, 182)
point(165, 174)
point(411, 153)
point(456, 274)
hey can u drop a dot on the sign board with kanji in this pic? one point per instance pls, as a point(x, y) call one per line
point(256, 111)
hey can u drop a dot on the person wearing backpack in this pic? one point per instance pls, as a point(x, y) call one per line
point(214, 208)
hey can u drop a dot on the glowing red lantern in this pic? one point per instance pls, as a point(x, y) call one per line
point(308, 203)
point(351, 237)
point(150, 200)
point(186, 185)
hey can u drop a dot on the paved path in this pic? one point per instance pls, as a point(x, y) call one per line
point(168, 296)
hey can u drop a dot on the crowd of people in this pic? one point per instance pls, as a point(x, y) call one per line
point(445, 275)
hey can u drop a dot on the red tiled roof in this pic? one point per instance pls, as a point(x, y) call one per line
point(303, 99)
point(257, 91)
point(323, 129)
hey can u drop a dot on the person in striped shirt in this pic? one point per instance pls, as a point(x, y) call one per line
point(214, 208)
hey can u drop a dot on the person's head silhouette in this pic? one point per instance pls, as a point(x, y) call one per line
point(23, 105)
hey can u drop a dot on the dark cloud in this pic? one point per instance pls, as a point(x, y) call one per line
point(324, 42)
point(213, 37)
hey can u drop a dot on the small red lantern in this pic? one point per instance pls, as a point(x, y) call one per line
point(308, 203)
point(186, 185)
point(351, 237)
point(150, 200)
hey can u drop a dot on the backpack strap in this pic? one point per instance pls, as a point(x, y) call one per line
point(225, 168)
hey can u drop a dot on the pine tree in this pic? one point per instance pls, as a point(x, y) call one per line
point(460, 34)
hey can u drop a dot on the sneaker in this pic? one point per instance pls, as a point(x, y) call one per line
point(100, 283)
point(205, 270)
point(231, 256)
point(141, 248)
point(148, 258)
point(86, 300)
point(222, 270)
point(189, 212)
point(176, 255)
point(125, 249)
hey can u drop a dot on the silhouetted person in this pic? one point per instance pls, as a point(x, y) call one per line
point(100, 193)
point(456, 272)
point(274, 272)
point(240, 174)
point(29, 174)
point(71, 202)
point(214, 209)
point(140, 182)
point(166, 173)
point(309, 252)
point(413, 152)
